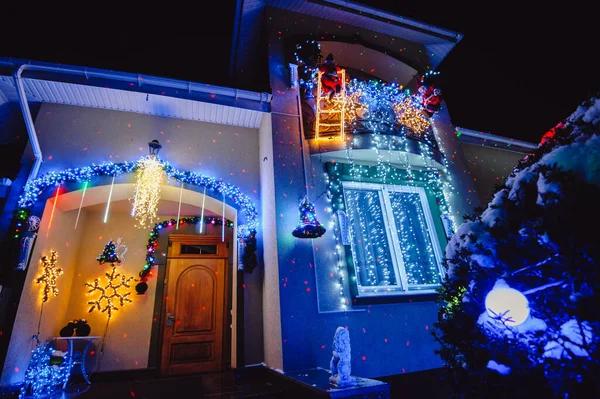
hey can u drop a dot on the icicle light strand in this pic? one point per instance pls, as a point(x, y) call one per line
point(147, 191)
point(35, 188)
point(81, 204)
point(112, 184)
point(53, 208)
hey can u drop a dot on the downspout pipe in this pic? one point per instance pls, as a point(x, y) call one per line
point(33, 139)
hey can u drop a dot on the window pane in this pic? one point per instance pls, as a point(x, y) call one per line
point(372, 258)
point(198, 249)
point(413, 235)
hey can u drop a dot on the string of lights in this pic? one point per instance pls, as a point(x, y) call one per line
point(35, 188)
point(149, 176)
point(47, 372)
point(146, 271)
point(337, 208)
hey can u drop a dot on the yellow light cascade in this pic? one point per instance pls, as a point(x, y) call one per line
point(411, 117)
point(110, 294)
point(149, 176)
point(49, 276)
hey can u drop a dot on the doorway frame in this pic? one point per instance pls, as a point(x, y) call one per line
point(227, 300)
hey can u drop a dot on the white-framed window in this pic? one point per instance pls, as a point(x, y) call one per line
point(395, 247)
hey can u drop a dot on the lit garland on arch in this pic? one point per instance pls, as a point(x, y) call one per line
point(142, 286)
point(35, 188)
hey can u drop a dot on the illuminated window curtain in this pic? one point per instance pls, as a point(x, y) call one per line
point(414, 238)
point(371, 252)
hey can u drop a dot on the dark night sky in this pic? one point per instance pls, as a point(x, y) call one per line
point(516, 73)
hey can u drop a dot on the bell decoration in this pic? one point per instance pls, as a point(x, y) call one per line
point(308, 225)
point(154, 147)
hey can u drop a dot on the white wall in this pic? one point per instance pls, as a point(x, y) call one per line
point(61, 239)
point(129, 330)
point(273, 355)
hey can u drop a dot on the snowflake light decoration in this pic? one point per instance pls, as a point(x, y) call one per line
point(110, 293)
point(49, 276)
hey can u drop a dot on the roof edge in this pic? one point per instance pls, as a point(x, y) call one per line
point(476, 137)
point(451, 36)
point(259, 101)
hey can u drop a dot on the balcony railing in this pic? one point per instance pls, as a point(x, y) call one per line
point(365, 108)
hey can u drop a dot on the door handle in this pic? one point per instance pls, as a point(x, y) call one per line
point(170, 318)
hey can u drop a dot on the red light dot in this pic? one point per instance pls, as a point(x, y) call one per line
point(16, 369)
point(50, 157)
point(407, 343)
point(92, 353)
point(385, 340)
point(364, 358)
point(322, 346)
point(124, 335)
point(308, 289)
point(129, 125)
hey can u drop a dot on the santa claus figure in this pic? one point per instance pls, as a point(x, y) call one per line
point(429, 96)
point(331, 78)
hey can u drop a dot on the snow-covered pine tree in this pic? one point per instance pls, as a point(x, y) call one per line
point(519, 310)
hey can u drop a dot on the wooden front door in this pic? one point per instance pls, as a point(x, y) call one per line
point(194, 305)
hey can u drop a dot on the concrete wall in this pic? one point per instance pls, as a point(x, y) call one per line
point(386, 338)
point(489, 166)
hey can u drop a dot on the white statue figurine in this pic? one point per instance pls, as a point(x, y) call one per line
point(340, 361)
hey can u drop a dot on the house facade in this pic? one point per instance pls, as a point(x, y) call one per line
point(385, 177)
